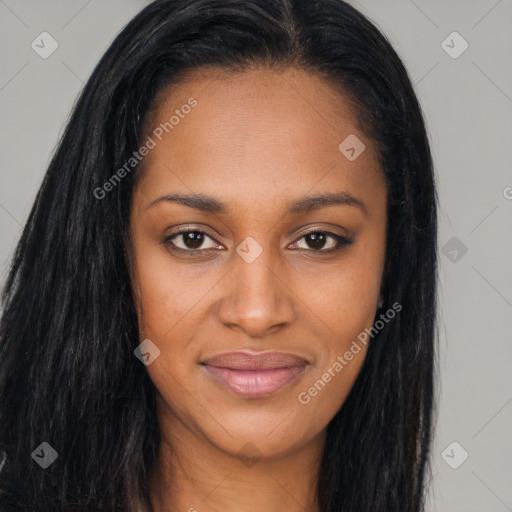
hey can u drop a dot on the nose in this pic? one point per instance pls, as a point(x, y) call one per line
point(257, 299)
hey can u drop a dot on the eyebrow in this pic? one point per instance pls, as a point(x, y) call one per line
point(306, 204)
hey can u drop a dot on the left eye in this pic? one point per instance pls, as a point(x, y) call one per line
point(317, 239)
point(192, 241)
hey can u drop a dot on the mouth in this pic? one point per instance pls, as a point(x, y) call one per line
point(253, 375)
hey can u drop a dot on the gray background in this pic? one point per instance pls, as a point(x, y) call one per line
point(468, 105)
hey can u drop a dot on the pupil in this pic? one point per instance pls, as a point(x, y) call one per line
point(318, 240)
point(193, 239)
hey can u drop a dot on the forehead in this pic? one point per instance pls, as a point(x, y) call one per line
point(258, 98)
point(259, 131)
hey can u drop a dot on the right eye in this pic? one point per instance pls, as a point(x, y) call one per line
point(191, 241)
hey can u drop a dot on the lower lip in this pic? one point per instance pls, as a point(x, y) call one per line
point(255, 383)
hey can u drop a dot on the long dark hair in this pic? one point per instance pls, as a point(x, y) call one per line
point(68, 375)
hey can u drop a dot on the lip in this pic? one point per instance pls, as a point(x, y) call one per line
point(255, 375)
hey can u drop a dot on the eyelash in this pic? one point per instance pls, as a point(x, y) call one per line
point(341, 242)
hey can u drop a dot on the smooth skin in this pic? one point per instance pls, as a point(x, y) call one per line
point(256, 141)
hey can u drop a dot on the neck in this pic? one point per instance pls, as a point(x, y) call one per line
point(194, 475)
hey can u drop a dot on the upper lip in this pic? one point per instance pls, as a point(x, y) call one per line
point(262, 361)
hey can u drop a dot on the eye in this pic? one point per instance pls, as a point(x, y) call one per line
point(190, 241)
point(316, 241)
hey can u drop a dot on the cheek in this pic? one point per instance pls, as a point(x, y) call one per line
point(344, 298)
point(171, 304)
point(346, 305)
point(323, 395)
point(168, 294)
point(345, 301)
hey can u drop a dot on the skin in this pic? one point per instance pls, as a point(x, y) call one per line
point(256, 141)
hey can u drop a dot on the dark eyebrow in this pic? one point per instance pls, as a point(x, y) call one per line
point(305, 204)
point(310, 203)
point(198, 201)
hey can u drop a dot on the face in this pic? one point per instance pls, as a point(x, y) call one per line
point(253, 291)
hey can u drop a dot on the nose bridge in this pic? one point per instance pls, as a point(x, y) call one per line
point(256, 300)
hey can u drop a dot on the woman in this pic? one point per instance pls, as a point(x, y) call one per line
point(224, 296)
